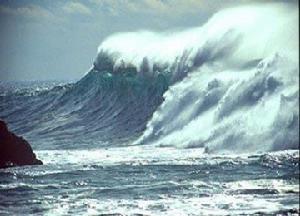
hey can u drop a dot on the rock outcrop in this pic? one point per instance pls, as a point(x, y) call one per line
point(14, 150)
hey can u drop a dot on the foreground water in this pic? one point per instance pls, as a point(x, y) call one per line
point(152, 181)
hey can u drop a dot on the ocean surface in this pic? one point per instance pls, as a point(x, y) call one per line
point(199, 122)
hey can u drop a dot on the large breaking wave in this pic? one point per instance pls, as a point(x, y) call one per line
point(229, 85)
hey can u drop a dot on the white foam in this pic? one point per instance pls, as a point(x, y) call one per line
point(244, 110)
point(222, 104)
point(235, 35)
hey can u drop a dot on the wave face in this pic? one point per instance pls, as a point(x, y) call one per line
point(100, 109)
point(229, 85)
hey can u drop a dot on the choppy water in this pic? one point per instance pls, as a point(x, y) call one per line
point(199, 122)
point(150, 181)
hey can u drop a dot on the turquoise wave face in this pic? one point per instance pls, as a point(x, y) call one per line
point(218, 86)
point(109, 106)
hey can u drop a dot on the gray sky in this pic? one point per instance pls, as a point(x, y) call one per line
point(47, 39)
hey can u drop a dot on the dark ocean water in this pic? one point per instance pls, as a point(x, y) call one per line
point(92, 178)
point(131, 180)
point(199, 122)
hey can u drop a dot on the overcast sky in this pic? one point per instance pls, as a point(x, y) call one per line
point(58, 40)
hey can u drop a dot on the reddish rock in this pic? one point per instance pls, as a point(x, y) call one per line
point(14, 150)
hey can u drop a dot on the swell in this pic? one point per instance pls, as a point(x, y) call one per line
point(100, 109)
point(219, 87)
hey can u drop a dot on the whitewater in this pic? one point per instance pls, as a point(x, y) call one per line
point(202, 121)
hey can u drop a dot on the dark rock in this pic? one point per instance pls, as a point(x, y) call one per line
point(14, 150)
